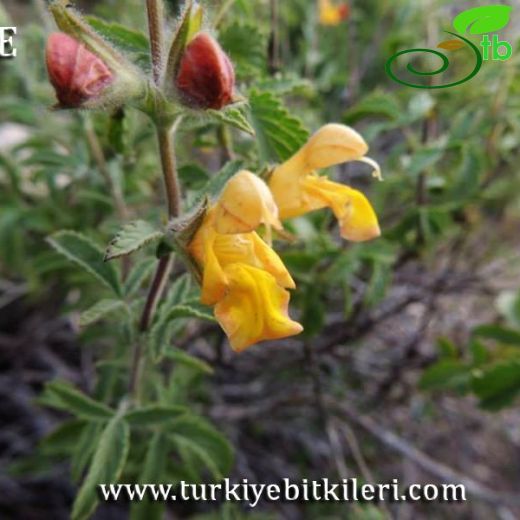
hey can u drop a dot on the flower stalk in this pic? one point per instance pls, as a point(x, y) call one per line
point(155, 11)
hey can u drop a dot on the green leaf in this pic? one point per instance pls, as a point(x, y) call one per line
point(141, 272)
point(107, 465)
point(482, 20)
point(65, 397)
point(446, 374)
point(153, 415)
point(177, 294)
point(497, 386)
point(233, 116)
point(131, 238)
point(152, 471)
point(196, 21)
point(128, 40)
point(64, 439)
point(186, 359)
point(165, 327)
point(193, 176)
point(80, 250)
point(192, 309)
point(286, 84)
point(479, 353)
point(313, 315)
point(100, 310)
point(279, 133)
point(501, 334)
point(424, 159)
point(379, 281)
point(85, 446)
point(246, 44)
point(468, 176)
point(447, 348)
point(201, 438)
point(162, 331)
point(160, 335)
point(186, 26)
point(377, 103)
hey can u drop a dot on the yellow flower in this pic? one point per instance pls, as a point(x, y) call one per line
point(330, 14)
point(215, 251)
point(245, 204)
point(254, 308)
point(243, 277)
point(298, 190)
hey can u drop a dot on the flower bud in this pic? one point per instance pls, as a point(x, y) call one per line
point(77, 74)
point(205, 77)
point(245, 204)
point(86, 70)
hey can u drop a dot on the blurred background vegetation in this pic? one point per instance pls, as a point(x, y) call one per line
point(410, 364)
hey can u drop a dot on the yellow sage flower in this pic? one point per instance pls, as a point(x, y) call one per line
point(243, 277)
point(215, 251)
point(297, 189)
point(330, 14)
point(254, 308)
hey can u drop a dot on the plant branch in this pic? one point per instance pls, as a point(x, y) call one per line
point(164, 268)
point(99, 158)
point(432, 466)
point(169, 169)
point(155, 10)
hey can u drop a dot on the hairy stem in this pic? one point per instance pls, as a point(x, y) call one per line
point(155, 10)
point(164, 268)
point(169, 170)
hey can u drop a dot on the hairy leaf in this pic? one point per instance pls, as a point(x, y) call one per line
point(131, 238)
point(153, 415)
point(64, 396)
point(246, 44)
point(107, 465)
point(186, 359)
point(83, 252)
point(200, 437)
point(152, 471)
point(279, 133)
point(100, 310)
point(128, 40)
point(233, 116)
point(141, 272)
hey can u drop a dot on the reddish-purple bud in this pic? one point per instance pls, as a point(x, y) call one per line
point(77, 74)
point(206, 78)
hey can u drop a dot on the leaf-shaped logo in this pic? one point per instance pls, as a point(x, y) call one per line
point(482, 20)
point(451, 45)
